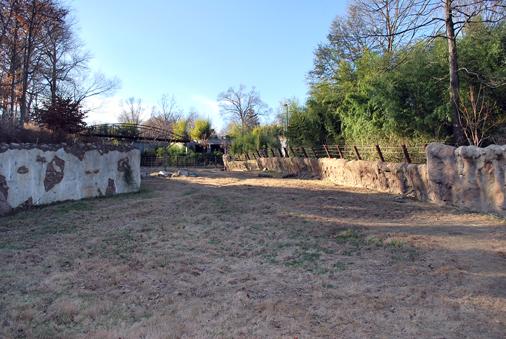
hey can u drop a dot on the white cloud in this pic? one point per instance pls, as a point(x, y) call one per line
point(209, 108)
point(108, 109)
point(103, 110)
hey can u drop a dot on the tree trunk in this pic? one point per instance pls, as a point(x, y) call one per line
point(23, 116)
point(54, 75)
point(458, 134)
point(12, 73)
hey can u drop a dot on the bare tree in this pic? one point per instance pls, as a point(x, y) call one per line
point(165, 114)
point(86, 86)
point(41, 59)
point(132, 111)
point(242, 106)
point(11, 47)
point(63, 58)
point(395, 23)
point(32, 18)
point(478, 115)
point(369, 25)
point(347, 40)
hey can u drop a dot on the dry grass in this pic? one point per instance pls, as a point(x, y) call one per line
point(232, 255)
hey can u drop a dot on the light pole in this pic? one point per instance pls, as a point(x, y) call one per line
point(286, 127)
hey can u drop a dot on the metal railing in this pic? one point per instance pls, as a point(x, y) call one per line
point(132, 132)
point(414, 154)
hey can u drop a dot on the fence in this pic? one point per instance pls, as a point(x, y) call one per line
point(197, 160)
point(402, 153)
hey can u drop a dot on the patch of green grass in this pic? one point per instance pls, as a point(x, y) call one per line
point(339, 266)
point(350, 236)
point(214, 242)
point(119, 244)
point(143, 193)
point(375, 242)
point(357, 241)
point(66, 207)
point(219, 205)
point(9, 245)
point(189, 192)
point(395, 244)
point(304, 259)
point(353, 239)
point(163, 261)
point(44, 331)
point(271, 258)
point(400, 250)
point(50, 227)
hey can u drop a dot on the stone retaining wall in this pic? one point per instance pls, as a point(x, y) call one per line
point(468, 177)
point(43, 174)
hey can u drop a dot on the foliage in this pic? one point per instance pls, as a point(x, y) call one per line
point(129, 130)
point(174, 149)
point(304, 127)
point(402, 96)
point(383, 105)
point(180, 128)
point(255, 139)
point(62, 116)
point(201, 130)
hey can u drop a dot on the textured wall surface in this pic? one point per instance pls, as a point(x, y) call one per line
point(43, 174)
point(468, 176)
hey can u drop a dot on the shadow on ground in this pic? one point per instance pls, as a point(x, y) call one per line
point(231, 254)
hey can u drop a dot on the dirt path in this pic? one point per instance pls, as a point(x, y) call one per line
point(233, 255)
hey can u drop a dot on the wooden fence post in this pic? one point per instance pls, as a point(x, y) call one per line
point(272, 152)
point(247, 156)
point(380, 154)
point(293, 153)
point(407, 158)
point(304, 152)
point(339, 151)
point(280, 152)
point(357, 154)
point(327, 151)
point(286, 152)
point(258, 153)
point(314, 153)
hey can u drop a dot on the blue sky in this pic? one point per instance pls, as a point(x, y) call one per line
point(195, 49)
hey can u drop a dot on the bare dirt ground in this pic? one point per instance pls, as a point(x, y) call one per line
point(234, 255)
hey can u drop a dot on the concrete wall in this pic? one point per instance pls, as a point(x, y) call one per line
point(468, 177)
point(43, 174)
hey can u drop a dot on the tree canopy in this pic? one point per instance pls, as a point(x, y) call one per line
point(369, 85)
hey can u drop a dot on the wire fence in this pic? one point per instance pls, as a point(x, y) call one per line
point(409, 154)
point(197, 160)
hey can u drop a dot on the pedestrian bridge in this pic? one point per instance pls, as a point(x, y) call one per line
point(134, 132)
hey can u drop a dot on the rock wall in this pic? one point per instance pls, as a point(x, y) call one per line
point(43, 174)
point(469, 177)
